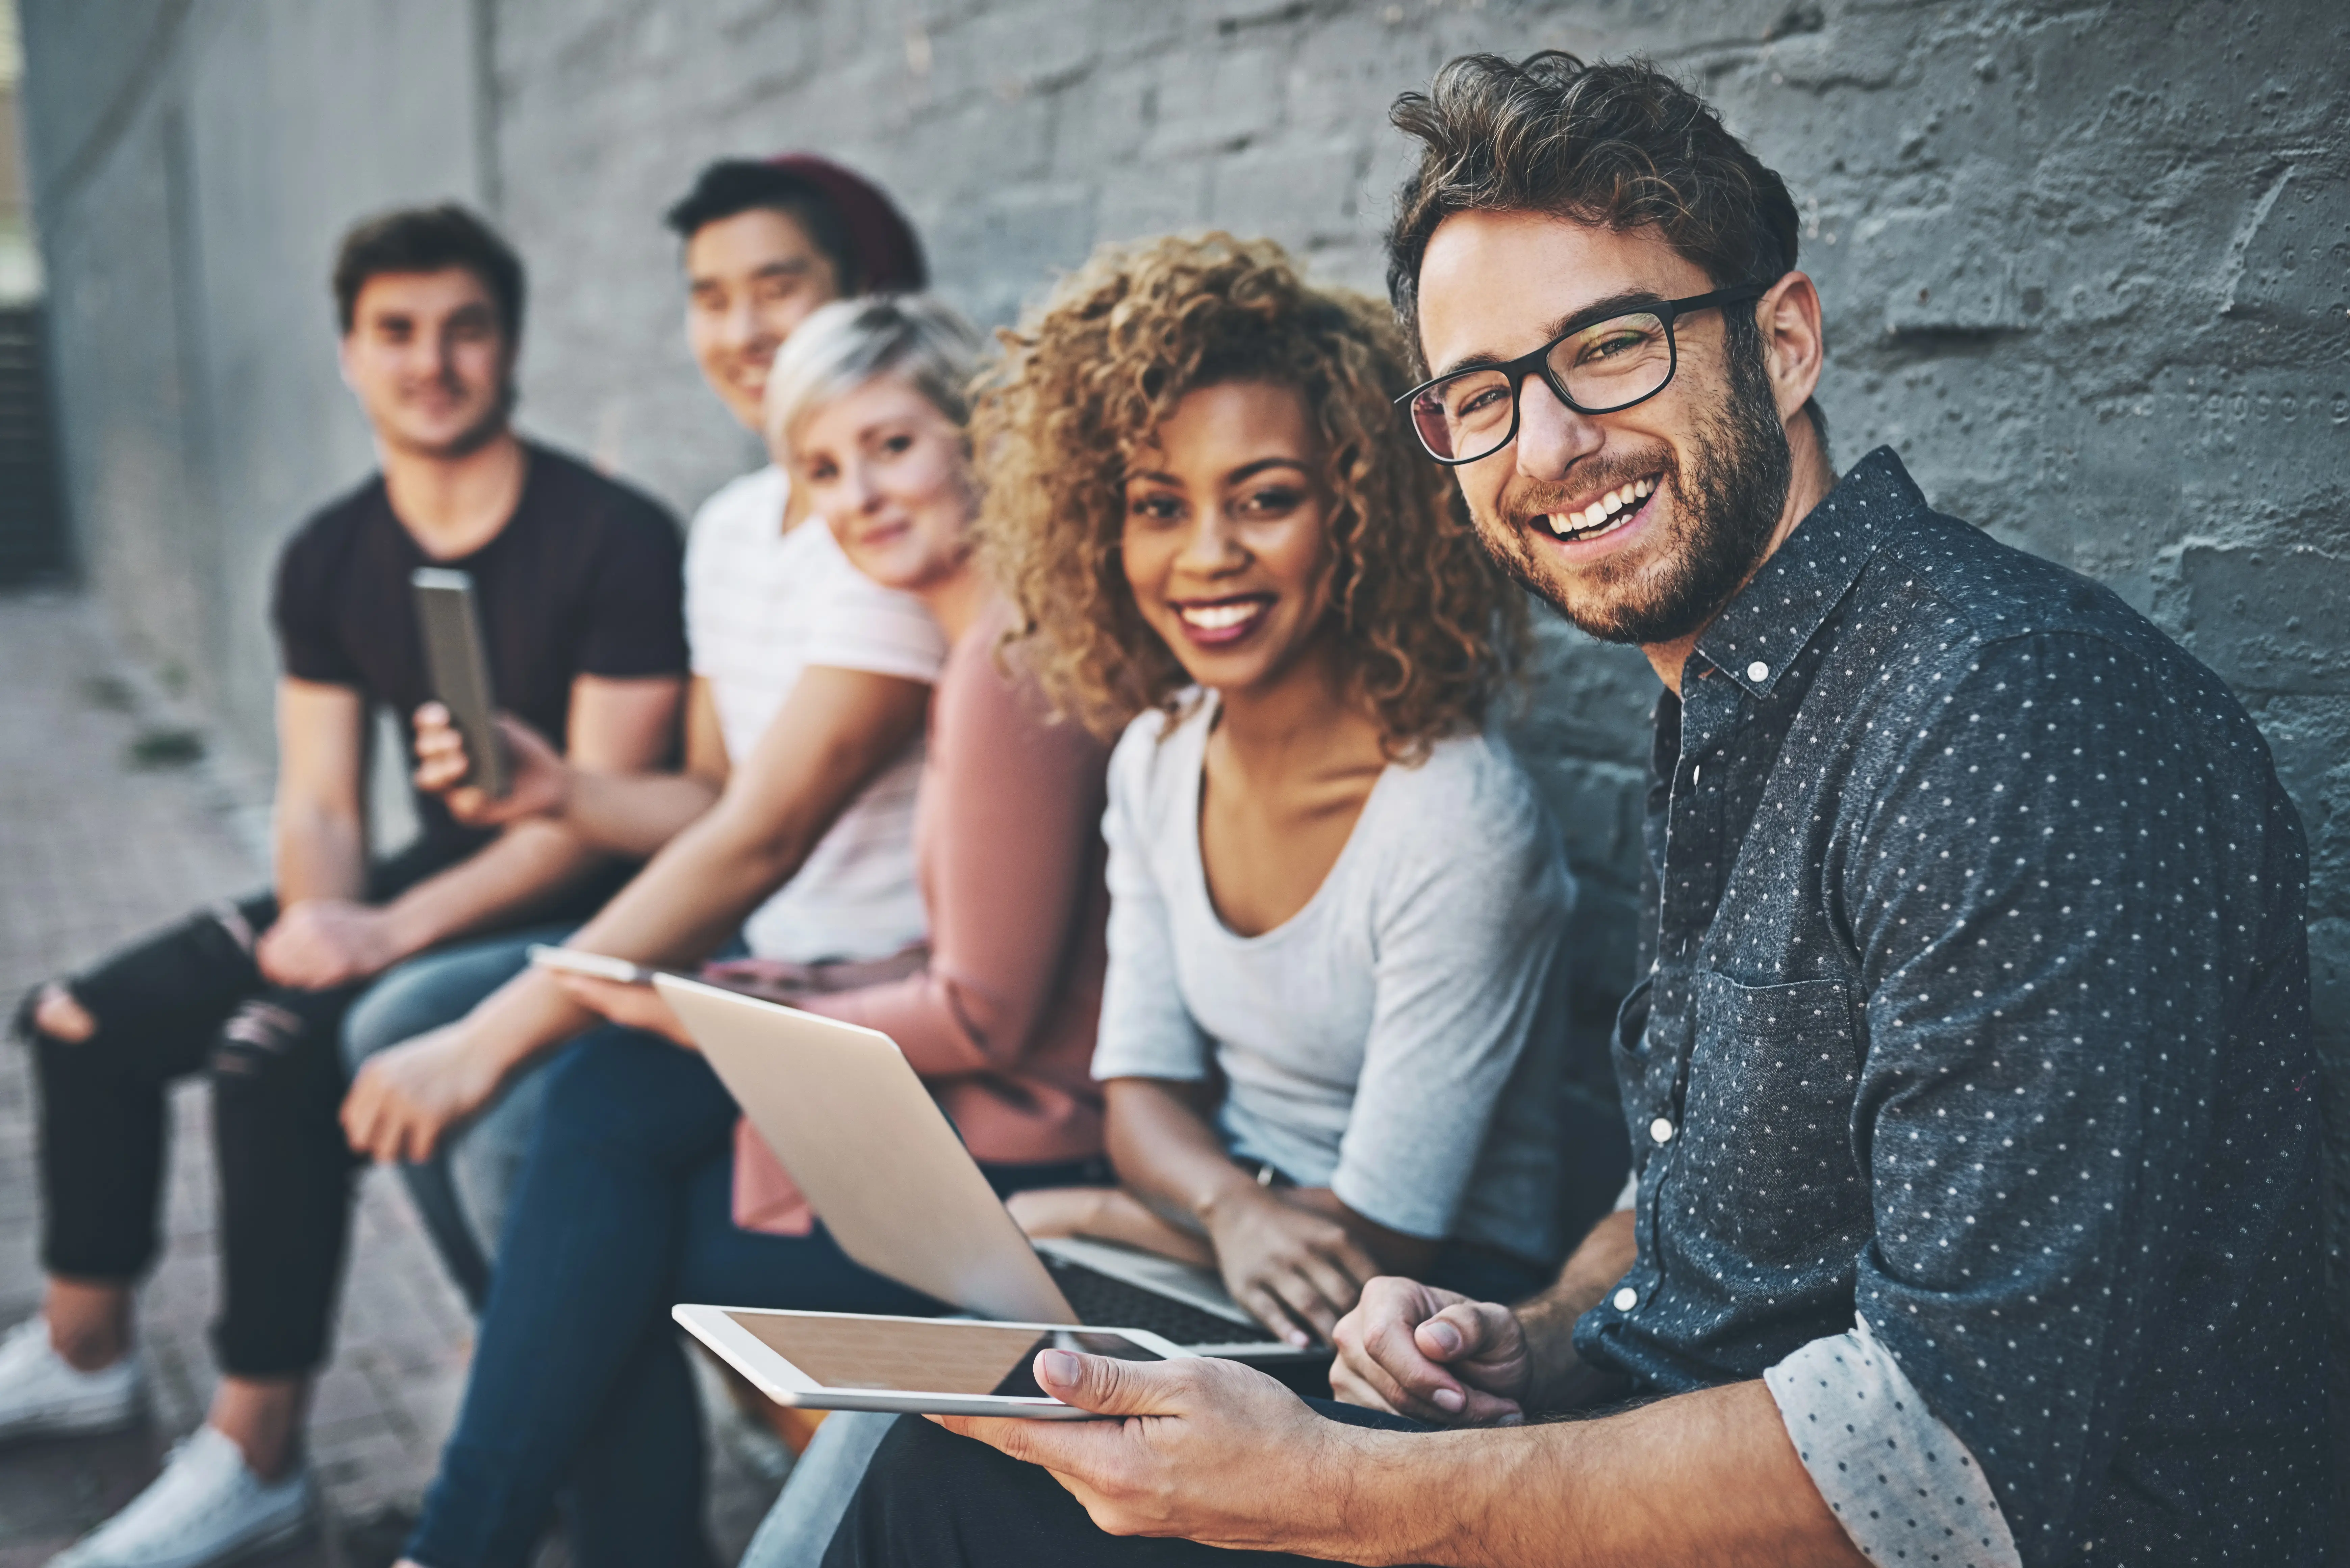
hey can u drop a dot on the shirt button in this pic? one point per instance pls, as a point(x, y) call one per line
point(1758, 671)
point(1625, 1300)
point(1661, 1130)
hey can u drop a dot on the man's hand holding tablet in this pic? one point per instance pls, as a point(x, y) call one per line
point(1205, 1448)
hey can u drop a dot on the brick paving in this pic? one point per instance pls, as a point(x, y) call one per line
point(94, 848)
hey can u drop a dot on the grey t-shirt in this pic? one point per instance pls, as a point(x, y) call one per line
point(1399, 1039)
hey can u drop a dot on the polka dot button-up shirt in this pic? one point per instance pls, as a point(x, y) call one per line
point(1972, 1084)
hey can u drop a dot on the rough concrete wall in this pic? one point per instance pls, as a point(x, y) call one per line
point(192, 167)
point(2087, 265)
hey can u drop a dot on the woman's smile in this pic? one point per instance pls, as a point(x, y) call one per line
point(1222, 622)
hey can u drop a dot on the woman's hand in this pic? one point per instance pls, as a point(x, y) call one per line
point(1294, 1269)
point(406, 1100)
point(539, 783)
point(634, 1006)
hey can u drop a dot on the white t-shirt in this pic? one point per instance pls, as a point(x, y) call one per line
point(1397, 1040)
point(762, 605)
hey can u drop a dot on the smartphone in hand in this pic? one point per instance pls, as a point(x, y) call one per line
point(458, 661)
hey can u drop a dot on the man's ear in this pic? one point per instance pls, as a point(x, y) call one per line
point(343, 359)
point(1794, 347)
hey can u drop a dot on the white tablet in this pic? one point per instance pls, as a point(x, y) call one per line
point(942, 1366)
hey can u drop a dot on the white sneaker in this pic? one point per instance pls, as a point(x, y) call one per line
point(207, 1507)
point(43, 1395)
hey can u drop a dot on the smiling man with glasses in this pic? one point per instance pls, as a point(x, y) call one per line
point(1971, 1082)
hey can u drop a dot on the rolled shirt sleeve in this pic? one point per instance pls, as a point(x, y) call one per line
point(1903, 1486)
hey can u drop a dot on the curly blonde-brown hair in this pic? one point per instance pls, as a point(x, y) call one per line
point(1431, 629)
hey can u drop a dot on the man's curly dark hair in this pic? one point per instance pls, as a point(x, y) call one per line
point(1618, 143)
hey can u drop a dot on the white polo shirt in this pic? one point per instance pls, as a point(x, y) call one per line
point(762, 605)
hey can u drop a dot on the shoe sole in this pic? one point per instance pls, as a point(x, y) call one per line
point(271, 1540)
point(75, 1423)
point(279, 1535)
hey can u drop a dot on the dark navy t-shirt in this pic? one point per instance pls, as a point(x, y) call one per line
point(586, 578)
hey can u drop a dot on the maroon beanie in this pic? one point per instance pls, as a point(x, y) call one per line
point(887, 255)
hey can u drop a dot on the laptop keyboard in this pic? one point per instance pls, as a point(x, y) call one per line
point(1109, 1302)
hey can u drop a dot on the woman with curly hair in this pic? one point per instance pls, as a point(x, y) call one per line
point(1330, 1025)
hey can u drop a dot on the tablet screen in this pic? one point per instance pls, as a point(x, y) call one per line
point(924, 1358)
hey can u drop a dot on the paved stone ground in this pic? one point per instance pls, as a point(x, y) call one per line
point(94, 848)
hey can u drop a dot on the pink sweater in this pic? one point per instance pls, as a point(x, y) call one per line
point(1008, 849)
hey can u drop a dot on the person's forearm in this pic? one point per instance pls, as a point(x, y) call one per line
point(681, 909)
point(1168, 1156)
point(524, 1018)
point(633, 814)
point(1557, 1378)
point(317, 855)
point(1700, 1479)
point(1118, 1216)
point(836, 730)
point(523, 867)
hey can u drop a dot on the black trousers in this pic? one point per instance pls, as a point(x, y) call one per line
point(189, 999)
point(933, 1500)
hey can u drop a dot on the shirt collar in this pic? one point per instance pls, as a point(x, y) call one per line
point(1760, 631)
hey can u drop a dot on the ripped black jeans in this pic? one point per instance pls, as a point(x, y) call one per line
point(189, 999)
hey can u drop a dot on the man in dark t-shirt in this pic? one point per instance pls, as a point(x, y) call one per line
point(582, 580)
point(578, 583)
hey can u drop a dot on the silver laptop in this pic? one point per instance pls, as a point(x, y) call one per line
point(883, 1167)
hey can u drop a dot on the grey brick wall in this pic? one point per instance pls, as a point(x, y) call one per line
point(2087, 265)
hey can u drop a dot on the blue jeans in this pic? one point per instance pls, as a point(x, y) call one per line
point(462, 1192)
point(624, 1208)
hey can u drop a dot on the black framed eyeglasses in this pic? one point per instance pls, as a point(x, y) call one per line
point(1597, 366)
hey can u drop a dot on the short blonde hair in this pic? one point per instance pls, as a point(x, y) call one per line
point(1429, 627)
point(917, 337)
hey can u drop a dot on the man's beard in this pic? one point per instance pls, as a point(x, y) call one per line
point(1727, 504)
